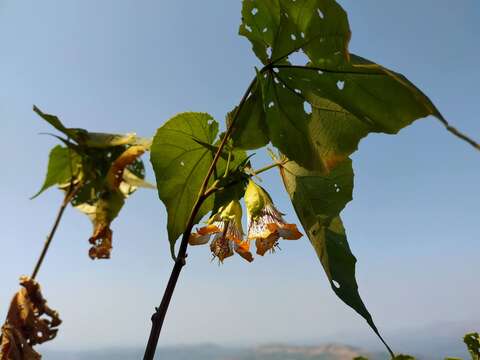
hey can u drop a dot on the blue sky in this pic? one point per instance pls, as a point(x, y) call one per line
point(123, 66)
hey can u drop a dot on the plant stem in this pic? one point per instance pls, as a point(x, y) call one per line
point(159, 316)
point(68, 196)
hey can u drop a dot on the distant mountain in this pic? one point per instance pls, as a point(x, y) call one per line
point(213, 352)
point(323, 352)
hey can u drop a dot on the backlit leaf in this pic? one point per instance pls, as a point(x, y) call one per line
point(316, 113)
point(64, 166)
point(180, 164)
point(92, 139)
point(318, 200)
point(472, 341)
point(278, 27)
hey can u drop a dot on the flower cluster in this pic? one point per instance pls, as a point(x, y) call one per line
point(265, 225)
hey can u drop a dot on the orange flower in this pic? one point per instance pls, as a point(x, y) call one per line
point(226, 227)
point(266, 223)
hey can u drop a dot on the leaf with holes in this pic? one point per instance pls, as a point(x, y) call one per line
point(180, 164)
point(377, 99)
point(318, 200)
point(277, 28)
point(472, 340)
point(317, 114)
point(64, 167)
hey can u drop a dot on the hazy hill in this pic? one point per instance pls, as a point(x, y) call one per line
point(212, 352)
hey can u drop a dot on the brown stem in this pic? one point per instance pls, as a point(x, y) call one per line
point(159, 316)
point(68, 196)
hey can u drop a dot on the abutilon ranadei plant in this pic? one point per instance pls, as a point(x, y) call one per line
point(313, 114)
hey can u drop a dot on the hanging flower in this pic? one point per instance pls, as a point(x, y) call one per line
point(226, 226)
point(266, 223)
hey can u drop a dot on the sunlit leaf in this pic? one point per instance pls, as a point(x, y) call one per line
point(30, 321)
point(135, 181)
point(318, 200)
point(180, 164)
point(64, 166)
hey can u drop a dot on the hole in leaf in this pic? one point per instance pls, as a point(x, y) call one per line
point(336, 284)
point(286, 14)
point(182, 163)
point(298, 58)
point(254, 11)
point(293, 37)
point(276, 70)
point(320, 13)
point(320, 72)
point(269, 52)
point(249, 29)
point(340, 84)
point(307, 107)
point(322, 39)
point(302, 34)
point(298, 91)
point(276, 80)
point(271, 104)
point(265, 29)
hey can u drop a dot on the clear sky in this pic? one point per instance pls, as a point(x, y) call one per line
point(123, 66)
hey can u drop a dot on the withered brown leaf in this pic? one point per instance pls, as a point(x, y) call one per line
point(30, 321)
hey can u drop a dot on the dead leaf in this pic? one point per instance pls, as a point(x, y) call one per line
point(29, 322)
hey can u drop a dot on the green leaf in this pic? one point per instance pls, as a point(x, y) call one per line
point(288, 124)
point(64, 166)
point(92, 139)
point(472, 341)
point(180, 164)
point(277, 28)
point(403, 357)
point(57, 124)
point(318, 200)
point(317, 114)
point(250, 131)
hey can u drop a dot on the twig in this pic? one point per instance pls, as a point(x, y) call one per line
point(159, 316)
point(68, 196)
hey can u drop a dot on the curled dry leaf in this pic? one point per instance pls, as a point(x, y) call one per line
point(110, 202)
point(29, 322)
point(115, 173)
